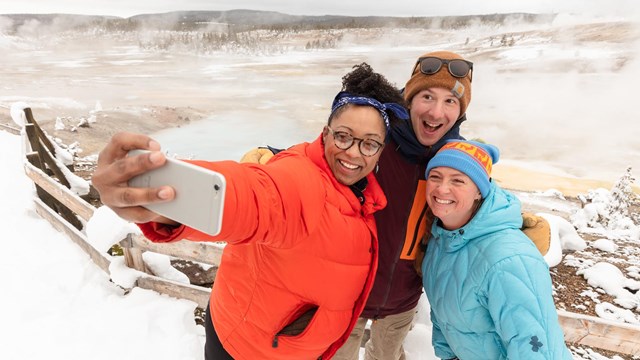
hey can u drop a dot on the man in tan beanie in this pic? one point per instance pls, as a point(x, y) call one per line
point(442, 81)
point(437, 96)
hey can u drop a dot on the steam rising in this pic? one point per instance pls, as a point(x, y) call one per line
point(556, 91)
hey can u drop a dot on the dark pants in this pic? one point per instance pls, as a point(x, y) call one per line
point(213, 349)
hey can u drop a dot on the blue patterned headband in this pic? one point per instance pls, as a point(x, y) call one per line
point(344, 98)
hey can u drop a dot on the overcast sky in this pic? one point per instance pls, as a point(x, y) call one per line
point(126, 8)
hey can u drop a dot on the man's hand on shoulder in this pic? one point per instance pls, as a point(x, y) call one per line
point(259, 155)
point(538, 230)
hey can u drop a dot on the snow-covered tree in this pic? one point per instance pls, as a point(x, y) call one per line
point(609, 209)
point(621, 198)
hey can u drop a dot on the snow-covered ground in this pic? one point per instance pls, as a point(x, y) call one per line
point(57, 304)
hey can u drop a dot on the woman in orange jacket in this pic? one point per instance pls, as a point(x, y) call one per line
point(302, 247)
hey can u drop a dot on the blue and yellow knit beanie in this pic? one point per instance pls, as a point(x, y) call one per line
point(473, 158)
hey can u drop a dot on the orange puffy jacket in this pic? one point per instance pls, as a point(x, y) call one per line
point(298, 242)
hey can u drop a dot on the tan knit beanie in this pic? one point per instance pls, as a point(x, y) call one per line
point(460, 87)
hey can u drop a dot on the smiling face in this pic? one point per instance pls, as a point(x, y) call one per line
point(363, 122)
point(433, 112)
point(451, 196)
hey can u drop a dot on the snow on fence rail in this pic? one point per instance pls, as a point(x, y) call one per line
point(61, 207)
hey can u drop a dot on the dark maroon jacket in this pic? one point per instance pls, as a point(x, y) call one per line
point(401, 225)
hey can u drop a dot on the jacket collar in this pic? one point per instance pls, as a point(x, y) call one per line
point(500, 210)
point(403, 135)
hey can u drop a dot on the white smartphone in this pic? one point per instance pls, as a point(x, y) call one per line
point(199, 200)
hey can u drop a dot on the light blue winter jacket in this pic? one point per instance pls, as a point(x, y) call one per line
point(490, 290)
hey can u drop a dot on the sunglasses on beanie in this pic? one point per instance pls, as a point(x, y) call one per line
point(457, 67)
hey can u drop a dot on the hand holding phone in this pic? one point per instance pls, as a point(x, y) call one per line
point(199, 199)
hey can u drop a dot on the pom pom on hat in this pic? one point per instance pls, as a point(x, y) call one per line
point(460, 87)
point(472, 158)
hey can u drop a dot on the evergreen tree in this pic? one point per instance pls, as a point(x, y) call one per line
point(622, 195)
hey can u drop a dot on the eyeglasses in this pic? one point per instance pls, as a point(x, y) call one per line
point(457, 67)
point(343, 141)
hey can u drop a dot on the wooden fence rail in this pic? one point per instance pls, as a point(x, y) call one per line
point(208, 253)
point(600, 333)
point(579, 329)
point(61, 193)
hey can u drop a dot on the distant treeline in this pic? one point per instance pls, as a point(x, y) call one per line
point(246, 31)
point(255, 41)
point(235, 21)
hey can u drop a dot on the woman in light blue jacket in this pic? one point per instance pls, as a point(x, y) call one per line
point(488, 286)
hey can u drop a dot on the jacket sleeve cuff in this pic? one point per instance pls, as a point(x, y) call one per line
point(158, 232)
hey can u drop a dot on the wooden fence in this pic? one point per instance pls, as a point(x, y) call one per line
point(68, 213)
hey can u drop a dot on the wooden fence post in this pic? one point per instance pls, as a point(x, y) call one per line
point(132, 255)
point(43, 158)
point(38, 131)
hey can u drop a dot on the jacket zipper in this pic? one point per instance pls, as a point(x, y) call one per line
point(417, 228)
